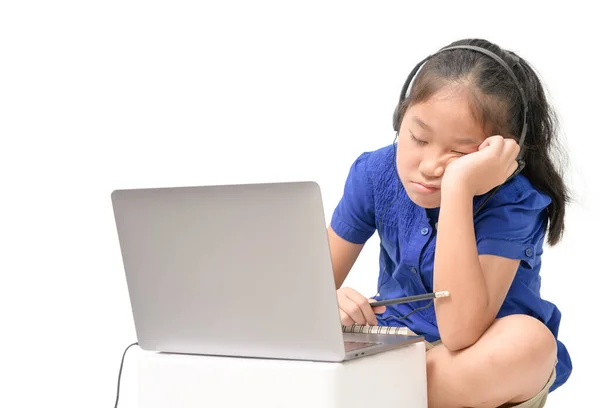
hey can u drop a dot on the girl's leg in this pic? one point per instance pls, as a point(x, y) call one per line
point(511, 362)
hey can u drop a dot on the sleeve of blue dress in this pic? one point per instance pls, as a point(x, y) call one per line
point(354, 217)
point(512, 224)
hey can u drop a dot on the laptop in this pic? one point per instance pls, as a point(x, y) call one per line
point(235, 270)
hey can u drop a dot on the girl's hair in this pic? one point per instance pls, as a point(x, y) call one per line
point(497, 104)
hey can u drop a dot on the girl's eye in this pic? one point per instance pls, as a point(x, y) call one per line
point(417, 141)
point(459, 153)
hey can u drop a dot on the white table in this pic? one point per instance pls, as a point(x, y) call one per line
point(395, 378)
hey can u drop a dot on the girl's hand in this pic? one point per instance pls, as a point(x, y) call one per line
point(355, 308)
point(484, 169)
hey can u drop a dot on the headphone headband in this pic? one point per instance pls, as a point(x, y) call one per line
point(490, 54)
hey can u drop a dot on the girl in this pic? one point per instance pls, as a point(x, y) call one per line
point(454, 212)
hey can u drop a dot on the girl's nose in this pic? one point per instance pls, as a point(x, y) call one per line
point(431, 167)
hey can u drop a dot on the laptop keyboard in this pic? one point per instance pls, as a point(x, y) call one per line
point(354, 345)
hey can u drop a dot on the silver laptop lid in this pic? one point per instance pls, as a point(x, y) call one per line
point(239, 270)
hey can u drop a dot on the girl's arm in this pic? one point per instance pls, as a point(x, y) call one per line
point(477, 284)
point(343, 256)
point(353, 307)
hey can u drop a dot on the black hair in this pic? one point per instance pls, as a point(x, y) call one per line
point(497, 104)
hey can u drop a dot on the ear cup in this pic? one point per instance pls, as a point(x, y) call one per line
point(397, 118)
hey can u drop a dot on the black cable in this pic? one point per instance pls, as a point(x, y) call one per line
point(394, 169)
point(120, 371)
point(407, 315)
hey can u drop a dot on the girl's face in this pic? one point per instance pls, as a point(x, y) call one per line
point(432, 134)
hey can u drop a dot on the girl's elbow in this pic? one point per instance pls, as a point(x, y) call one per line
point(462, 336)
point(459, 341)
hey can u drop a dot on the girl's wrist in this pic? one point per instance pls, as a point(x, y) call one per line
point(456, 186)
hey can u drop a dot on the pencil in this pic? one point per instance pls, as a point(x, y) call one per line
point(407, 299)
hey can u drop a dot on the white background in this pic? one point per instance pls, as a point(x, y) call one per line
point(96, 96)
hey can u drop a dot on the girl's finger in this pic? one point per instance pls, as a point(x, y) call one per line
point(352, 310)
point(345, 319)
point(364, 306)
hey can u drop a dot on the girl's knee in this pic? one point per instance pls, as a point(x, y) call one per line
point(532, 357)
point(533, 333)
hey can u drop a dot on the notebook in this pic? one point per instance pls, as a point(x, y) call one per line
point(365, 329)
point(235, 270)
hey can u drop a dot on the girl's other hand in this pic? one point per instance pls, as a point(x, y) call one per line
point(355, 308)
